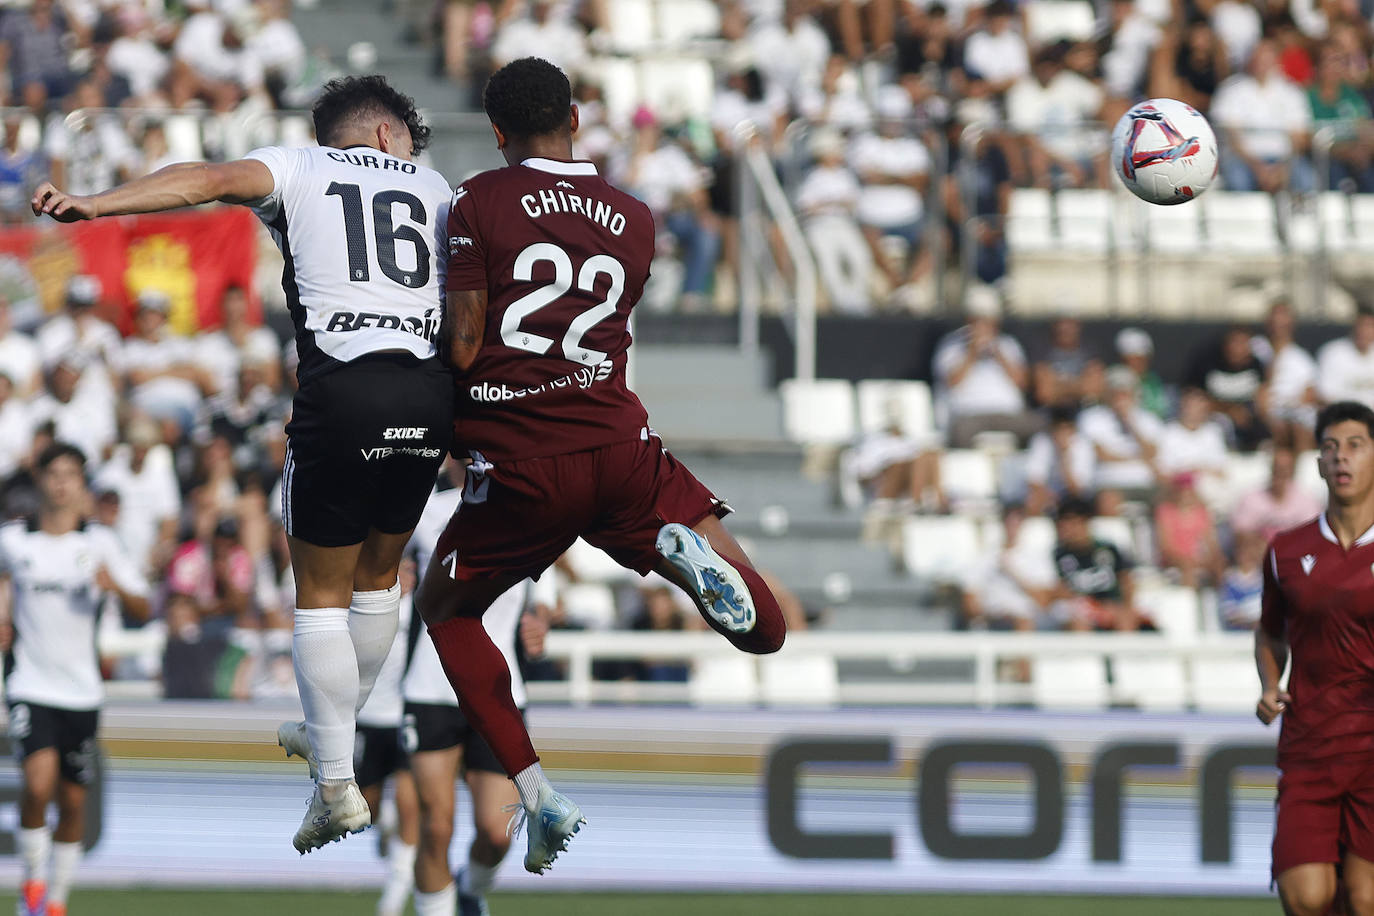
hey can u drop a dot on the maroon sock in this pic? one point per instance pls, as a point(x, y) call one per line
point(477, 670)
point(770, 629)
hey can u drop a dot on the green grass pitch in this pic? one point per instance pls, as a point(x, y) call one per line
point(280, 903)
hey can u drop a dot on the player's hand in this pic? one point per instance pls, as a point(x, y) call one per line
point(1271, 705)
point(65, 208)
point(533, 629)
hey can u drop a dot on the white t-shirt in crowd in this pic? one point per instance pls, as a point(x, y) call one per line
point(16, 435)
point(200, 45)
point(790, 60)
point(86, 422)
point(558, 41)
point(1344, 373)
point(138, 60)
point(986, 388)
point(1285, 110)
point(662, 175)
point(889, 205)
point(998, 580)
point(147, 497)
point(1057, 113)
point(1291, 372)
point(1239, 26)
point(997, 57)
point(159, 394)
point(1128, 469)
point(1045, 467)
point(56, 603)
point(1181, 449)
point(20, 361)
point(217, 353)
point(828, 191)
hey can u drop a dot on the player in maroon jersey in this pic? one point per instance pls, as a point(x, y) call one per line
point(546, 261)
point(1319, 605)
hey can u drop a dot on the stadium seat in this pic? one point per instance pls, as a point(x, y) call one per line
point(1084, 219)
point(630, 24)
point(1118, 532)
point(882, 400)
point(591, 605)
point(677, 88)
point(1223, 684)
point(1028, 220)
point(1070, 681)
point(819, 412)
point(941, 548)
point(1154, 682)
point(723, 680)
point(1173, 608)
point(1172, 230)
point(1362, 222)
point(1240, 221)
point(619, 81)
point(799, 680)
point(1048, 21)
point(1243, 474)
point(969, 477)
point(682, 21)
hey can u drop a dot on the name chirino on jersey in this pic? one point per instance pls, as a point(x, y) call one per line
point(556, 200)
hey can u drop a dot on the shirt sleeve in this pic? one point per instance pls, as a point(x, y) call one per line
point(467, 255)
point(121, 568)
point(280, 161)
point(1273, 607)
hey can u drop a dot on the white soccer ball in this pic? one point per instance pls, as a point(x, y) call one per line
point(1164, 151)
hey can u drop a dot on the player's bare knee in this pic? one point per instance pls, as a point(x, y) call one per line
point(1360, 898)
point(1307, 901)
point(437, 832)
point(492, 837)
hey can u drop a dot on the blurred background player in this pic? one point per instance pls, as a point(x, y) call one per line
point(55, 569)
point(1318, 601)
point(370, 422)
point(574, 456)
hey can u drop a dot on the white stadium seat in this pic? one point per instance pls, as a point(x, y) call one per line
point(619, 81)
point(799, 680)
point(1173, 608)
point(683, 20)
point(1048, 21)
point(1362, 222)
point(1223, 684)
point(819, 412)
point(942, 548)
point(723, 680)
point(1070, 681)
point(968, 475)
point(1243, 474)
point(1084, 219)
point(1118, 532)
point(1155, 682)
point(677, 88)
point(1172, 230)
point(1028, 220)
point(631, 24)
point(883, 400)
point(1241, 221)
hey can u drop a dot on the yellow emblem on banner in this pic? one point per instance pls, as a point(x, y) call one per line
point(161, 262)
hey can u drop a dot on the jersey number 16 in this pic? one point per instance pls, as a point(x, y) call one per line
point(385, 232)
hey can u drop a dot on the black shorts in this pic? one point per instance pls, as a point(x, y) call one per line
point(434, 727)
point(377, 753)
point(71, 731)
point(363, 446)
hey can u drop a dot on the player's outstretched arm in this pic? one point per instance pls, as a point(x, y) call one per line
point(462, 328)
point(182, 185)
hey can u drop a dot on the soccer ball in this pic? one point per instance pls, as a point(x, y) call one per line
point(1165, 151)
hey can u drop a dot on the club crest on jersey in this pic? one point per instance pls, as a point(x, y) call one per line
point(1308, 561)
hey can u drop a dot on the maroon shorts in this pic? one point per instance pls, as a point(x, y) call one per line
point(1324, 811)
point(520, 516)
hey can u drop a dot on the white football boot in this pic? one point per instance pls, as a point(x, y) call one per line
point(550, 828)
point(717, 586)
point(327, 822)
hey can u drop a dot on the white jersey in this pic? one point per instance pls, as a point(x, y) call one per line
point(425, 681)
point(54, 611)
point(383, 708)
point(364, 235)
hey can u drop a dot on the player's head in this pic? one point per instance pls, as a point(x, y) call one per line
point(1345, 436)
point(62, 476)
point(367, 110)
point(530, 100)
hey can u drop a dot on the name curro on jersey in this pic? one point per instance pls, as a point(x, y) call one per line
point(556, 201)
point(386, 163)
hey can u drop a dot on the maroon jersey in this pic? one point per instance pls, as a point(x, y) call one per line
point(563, 257)
point(1320, 598)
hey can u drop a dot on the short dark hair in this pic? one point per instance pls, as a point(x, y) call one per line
point(529, 97)
point(1340, 412)
point(1074, 507)
point(350, 97)
point(60, 450)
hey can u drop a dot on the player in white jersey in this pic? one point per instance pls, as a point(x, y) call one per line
point(54, 571)
point(362, 229)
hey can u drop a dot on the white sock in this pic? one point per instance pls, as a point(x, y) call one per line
point(65, 856)
point(528, 781)
point(400, 878)
point(372, 620)
point(478, 878)
point(35, 848)
point(327, 678)
point(439, 903)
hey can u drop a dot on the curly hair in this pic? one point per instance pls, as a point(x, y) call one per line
point(349, 98)
point(529, 97)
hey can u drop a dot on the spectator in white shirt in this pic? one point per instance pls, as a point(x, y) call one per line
point(1265, 153)
point(1060, 463)
point(86, 422)
point(1124, 436)
point(220, 352)
point(211, 48)
point(540, 32)
point(825, 201)
point(894, 170)
point(1289, 405)
point(276, 44)
point(91, 152)
point(793, 51)
point(1193, 443)
point(1345, 366)
point(997, 54)
point(16, 428)
point(134, 54)
point(19, 357)
point(160, 369)
point(78, 330)
point(981, 375)
point(141, 472)
point(1013, 589)
point(1053, 109)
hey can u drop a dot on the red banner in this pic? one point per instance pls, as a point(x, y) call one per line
point(191, 256)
